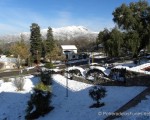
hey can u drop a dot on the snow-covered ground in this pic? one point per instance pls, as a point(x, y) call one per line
point(76, 105)
point(139, 112)
point(104, 70)
point(82, 71)
point(73, 107)
point(133, 67)
point(13, 103)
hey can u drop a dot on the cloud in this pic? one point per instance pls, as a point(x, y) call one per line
point(64, 14)
point(19, 20)
point(8, 29)
point(96, 24)
point(65, 18)
point(62, 18)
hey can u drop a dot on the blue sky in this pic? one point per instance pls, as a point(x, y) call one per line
point(16, 16)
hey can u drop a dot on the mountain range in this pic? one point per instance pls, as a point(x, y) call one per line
point(63, 33)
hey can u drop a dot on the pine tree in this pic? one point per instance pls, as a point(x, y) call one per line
point(50, 43)
point(35, 42)
point(115, 43)
point(49, 40)
point(102, 38)
point(39, 103)
point(43, 50)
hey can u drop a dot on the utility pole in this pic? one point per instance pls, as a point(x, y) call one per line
point(37, 57)
point(18, 61)
point(20, 71)
point(92, 58)
point(67, 78)
point(29, 61)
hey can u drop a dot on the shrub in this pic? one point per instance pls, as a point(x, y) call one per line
point(6, 79)
point(75, 72)
point(135, 61)
point(46, 77)
point(118, 74)
point(19, 83)
point(41, 86)
point(39, 103)
point(97, 93)
point(1, 65)
point(49, 65)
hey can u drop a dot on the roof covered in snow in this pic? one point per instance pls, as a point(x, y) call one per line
point(69, 47)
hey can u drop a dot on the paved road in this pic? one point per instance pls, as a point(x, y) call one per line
point(16, 72)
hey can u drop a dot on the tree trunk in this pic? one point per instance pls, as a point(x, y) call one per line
point(98, 103)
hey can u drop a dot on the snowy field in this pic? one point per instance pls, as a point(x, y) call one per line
point(76, 105)
point(73, 107)
point(14, 103)
point(139, 112)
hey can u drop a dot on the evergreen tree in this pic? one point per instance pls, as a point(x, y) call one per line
point(134, 19)
point(112, 41)
point(115, 43)
point(102, 38)
point(39, 103)
point(50, 43)
point(35, 42)
point(43, 50)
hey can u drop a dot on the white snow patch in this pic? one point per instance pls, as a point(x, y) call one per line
point(104, 70)
point(73, 107)
point(14, 103)
point(82, 71)
point(139, 112)
point(76, 105)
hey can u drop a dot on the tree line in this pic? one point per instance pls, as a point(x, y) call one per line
point(43, 48)
point(132, 31)
point(130, 35)
point(38, 48)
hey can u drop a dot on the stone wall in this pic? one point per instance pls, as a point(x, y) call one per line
point(139, 80)
point(102, 81)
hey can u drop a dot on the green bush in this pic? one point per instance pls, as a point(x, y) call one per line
point(49, 65)
point(97, 93)
point(1, 65)
point(46, 77)
point(39, 103)
point(41, 86)
point(19, 83)
point(6, 79)
point(75, 72)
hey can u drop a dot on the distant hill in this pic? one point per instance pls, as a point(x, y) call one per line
point(63, 33)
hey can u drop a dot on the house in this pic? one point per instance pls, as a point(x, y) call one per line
point(7, 63)
point(70, 51)
point(2, 56)
point(71, 48)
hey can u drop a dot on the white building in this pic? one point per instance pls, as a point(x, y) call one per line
point(71, 48)
point(7, 63)
point(70, 51)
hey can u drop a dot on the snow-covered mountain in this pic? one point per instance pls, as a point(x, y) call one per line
point(63, 33)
